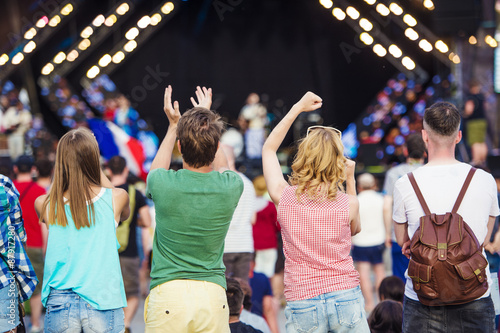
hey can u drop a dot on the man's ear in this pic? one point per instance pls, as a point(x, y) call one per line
point(179, 146)
point(459, 137)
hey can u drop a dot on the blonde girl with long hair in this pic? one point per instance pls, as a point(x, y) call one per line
point(318, 216)
point(83, 286)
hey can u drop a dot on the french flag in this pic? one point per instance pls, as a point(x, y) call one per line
point(113, 141)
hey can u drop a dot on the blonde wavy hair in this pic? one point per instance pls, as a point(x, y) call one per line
point(319, 168)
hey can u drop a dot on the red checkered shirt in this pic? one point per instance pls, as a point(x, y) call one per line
point(316, 242)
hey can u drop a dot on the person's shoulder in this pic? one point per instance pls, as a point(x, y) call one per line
point(159, 174)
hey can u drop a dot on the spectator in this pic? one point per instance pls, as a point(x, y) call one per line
point(262, 299)
point(126, 117)
point(235, 301)
point(130, 262)
point(369, 243)
point(16, 121)
point(392, 287)
point(476, 124)
point(36, 232)
point(17, 277)
point(44, 168)
point(193, 209)
point(82, 270)
point(246, 316)
point(387, 317)
point(317, 221)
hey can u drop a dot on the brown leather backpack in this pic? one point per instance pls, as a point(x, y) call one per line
point(447, 265)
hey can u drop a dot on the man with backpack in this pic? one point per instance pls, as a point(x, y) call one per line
point(127, 236)
point(444, 214)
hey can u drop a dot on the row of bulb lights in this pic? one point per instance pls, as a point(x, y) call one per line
point(32, 32)
point(130, 35)
point(85, 35)
point(410, 33)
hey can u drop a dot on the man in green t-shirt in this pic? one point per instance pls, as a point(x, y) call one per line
point(193, 207)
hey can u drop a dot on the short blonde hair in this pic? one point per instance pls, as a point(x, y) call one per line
point(319, 166)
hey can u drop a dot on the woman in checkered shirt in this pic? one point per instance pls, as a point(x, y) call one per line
point(317, 217)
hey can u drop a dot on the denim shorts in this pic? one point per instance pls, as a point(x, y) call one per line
point(476, 316)
point(9, 309)
point(371, 254)
point(338, 311)
point(69, 313)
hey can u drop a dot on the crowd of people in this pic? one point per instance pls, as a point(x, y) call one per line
point(226, 244)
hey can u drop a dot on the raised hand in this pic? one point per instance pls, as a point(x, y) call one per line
point(172, 111)
point(310, 102)
point(350, 167)
point(204, 97)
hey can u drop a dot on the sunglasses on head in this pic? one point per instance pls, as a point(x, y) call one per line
point(319, 126)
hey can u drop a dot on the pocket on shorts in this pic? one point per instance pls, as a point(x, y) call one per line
point(57, 318)
point(106, 321)
point(304, 316)
point(350, 311)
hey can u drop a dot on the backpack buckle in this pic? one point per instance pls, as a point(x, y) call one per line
point(442, 249)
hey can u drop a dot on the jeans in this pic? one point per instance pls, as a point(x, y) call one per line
point(69, 313)
point(476, 316)
point(338, 311)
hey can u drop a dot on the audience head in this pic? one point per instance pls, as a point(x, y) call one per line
point(442, 122)
point(259, 184)
point(76, 169)
point(199, 131)
point(319, 166)
point(415, 146)
point(44, 167)
point(234, 297)
point(387, 317)
point(247, 292)
point(393, 288)
point(117, 165)
point(366, 181)
point(24, 164)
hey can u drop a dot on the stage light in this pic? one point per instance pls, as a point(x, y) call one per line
point(67, 9)
point(441, 46)
point(130, 46)
point(382, 9)
point(395, 51)
point(144, 22)
point(370, 2)
point(60, 57)
point(425, 45)
point(366, 38)
point(132, 33)
point(28, 48)
point(16, 60)
point(87, 32)
point(454, 58)
point(42, 22)
point(396, 9)
point(84, 44)
point(47, 69)
point(3, 59)
point(472, 40)
point(55, 21)
point(379, 50)
point(105, 60)
point(429, 4)
point(110, 20)
point(167, 8)
point(408, 63)
point(93, 72)
point(118, 57)
point(122, 9)
point(326, 3)
point(365, 24)
point(338, 13)
point(72, 56)
point(410, 20)
point(30, 33)
point(99, 20)
point(155, 19)
point(411, 34)
point(352, 12)
point(493, 43)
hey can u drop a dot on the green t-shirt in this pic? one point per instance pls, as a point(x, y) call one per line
point(193, 213)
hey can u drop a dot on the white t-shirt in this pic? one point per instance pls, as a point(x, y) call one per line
point(371, 215)
point(440, 186)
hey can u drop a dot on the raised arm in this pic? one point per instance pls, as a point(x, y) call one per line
point(272, 170)
point(164, 155)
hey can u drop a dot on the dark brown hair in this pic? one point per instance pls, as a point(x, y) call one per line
point(387, 317)
point(116, 165)
point(442, 118)
point(393, 288)
point(199, 131)
point(415, 146)
point(234, 296)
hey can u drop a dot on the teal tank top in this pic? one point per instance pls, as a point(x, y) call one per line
point(86, 260)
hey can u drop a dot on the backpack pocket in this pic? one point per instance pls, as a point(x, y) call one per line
point(421, 277)
point(474, 267)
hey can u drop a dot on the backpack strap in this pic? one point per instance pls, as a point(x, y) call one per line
point(464, 189)
point(418, 193)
